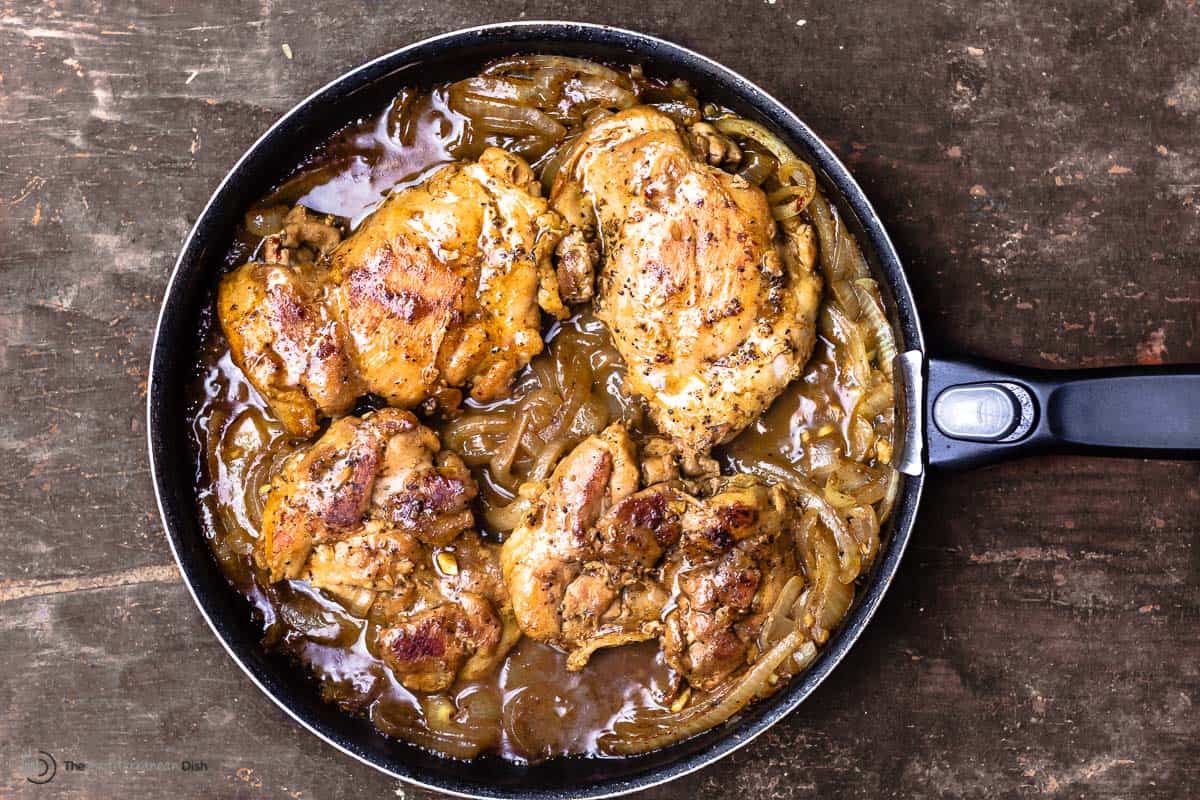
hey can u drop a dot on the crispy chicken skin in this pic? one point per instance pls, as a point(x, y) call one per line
point(711, 318)
point(438, 290)
point(597, 563)
point(374, 515)
point(382, 468)
point(430, 649)
point(442, 626)
point(576, 569)
point(735, 553)
point(288, 344)
point(441, 286)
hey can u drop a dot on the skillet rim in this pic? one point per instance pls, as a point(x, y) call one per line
point(846, 192)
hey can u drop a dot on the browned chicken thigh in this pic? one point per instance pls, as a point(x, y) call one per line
point(376, 516)
point(711, 314)
point(735, 554)
point(441, 288)
point(597, 563)
point(578, 566)
point(382, 468)
point(288, 343)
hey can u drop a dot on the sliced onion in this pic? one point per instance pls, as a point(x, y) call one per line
point(531, 64)
point(828, 236)
point(878, 399)
point(811, 498)
point(849, 560)
point(777, 622)
point(847, 298)
point(509, 90)
point(503, 519)
point(502, 461)
point(737, 126)
point(546, 459)
point(846, 335)
point(714, 711)
point(824, 455)
point(756, 166)
point(885, 340)
point(889, 496)
point(864, 525)
point(509, 119)
point(828, 597)
point(601, 90)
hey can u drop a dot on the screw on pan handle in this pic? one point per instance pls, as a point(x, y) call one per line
point(979, 412)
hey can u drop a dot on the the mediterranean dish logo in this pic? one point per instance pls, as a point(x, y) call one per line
point(41, 767)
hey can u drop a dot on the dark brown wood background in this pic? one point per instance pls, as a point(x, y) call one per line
point(1038, 164)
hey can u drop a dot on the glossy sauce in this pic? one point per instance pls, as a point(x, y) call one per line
point(534, 707)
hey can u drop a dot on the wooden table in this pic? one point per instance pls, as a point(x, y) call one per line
point(1038, 164)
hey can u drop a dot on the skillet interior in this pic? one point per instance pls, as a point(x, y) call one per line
point(364, 91)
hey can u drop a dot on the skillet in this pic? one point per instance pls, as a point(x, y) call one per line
point(951, 412)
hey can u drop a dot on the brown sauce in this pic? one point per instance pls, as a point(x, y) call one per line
point(533, 707)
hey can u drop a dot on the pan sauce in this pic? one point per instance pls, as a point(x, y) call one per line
point(533, 707)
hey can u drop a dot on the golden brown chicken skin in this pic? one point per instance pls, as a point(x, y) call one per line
point(443, 284)
point(698, 565)
point(711, 318)
point(735, 553)
point(288, 343)
point(377, 517)
point(440, 289)
point(384, 468)
point(578, 572)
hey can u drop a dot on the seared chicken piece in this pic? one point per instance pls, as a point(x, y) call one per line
point(711, 318)
point(577, 566)
point(617, 597)
point(441, 286)
point(288, 344)
point(428, 650)
point(372, 514)
point(439, 289)
point(735, 553)
point(383, 468)
point(598, 564)
point(357, 569)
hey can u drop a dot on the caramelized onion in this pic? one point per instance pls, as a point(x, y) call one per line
point(529, 65)
point(715, 710)
point(881, 331)
point(828, 597)
point(778, 621)
point(508, 119)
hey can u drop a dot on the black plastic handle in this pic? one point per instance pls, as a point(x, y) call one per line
point(979, 412)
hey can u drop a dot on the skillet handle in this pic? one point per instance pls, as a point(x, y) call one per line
point(980, 412)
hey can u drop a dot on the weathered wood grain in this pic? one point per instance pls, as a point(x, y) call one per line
point(1038, 165)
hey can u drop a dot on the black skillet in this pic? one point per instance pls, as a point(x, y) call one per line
point(955, 413)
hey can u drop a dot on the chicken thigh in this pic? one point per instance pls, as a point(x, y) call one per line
point(736, 551)
point(288, 343)
point(579, 566)
point(375, 516)
point(597, 563)
point(383, 468)
point(441, 288)
point(711, 318)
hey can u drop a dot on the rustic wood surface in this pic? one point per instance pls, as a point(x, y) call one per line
point(1038, 165)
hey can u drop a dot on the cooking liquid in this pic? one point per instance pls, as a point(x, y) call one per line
point(533, 707)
